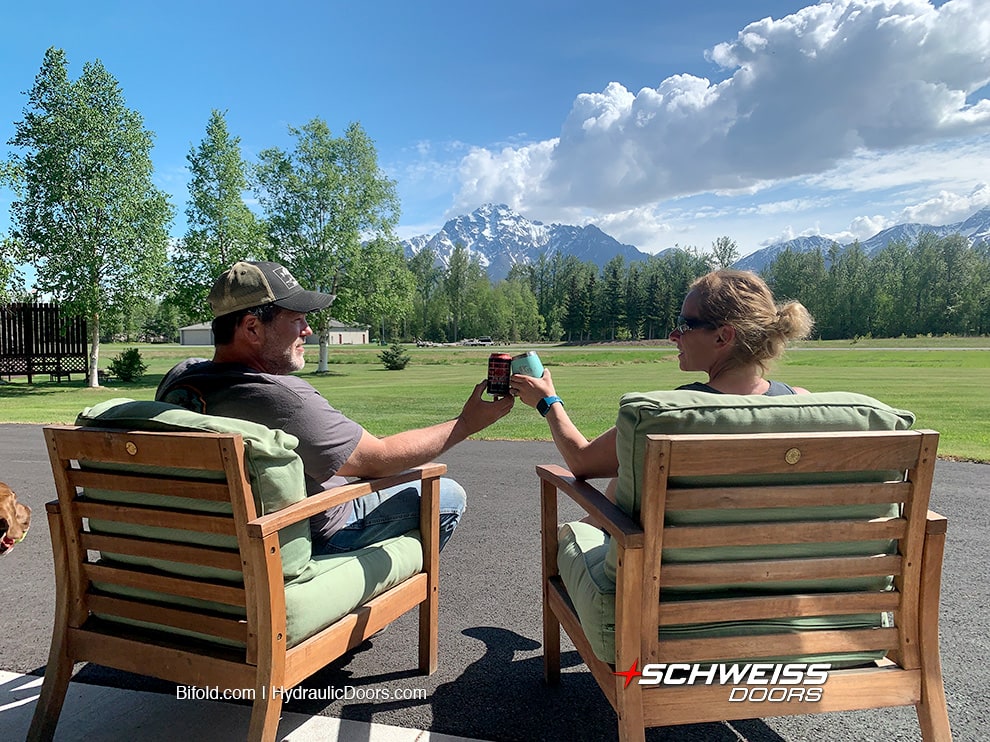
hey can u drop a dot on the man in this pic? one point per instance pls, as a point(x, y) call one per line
point(259, 331)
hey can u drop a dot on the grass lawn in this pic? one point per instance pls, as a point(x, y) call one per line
point(942, 380)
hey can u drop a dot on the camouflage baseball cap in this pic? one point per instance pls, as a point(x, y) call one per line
point(254, 283)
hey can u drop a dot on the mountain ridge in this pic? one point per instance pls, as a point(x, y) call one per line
point(502, 238)
point(975, 228)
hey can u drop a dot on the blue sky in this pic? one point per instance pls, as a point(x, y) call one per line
point(661, 122)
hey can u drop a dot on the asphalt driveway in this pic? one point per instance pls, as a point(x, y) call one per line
point(489, 684)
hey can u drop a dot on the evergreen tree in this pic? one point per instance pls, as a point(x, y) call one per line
point(428, 278)
point(612, 299)
point(893, 268)
point(635, 296)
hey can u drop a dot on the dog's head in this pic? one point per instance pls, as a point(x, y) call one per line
point(15, 519)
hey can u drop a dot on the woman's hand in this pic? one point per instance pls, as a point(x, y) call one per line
point(531, 390)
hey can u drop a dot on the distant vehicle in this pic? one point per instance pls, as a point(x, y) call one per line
point(483, 340)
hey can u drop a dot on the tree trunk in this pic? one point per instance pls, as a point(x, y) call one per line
point(94, 349)
point(324, 365)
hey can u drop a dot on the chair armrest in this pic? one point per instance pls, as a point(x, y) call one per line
point(266, 525)
point(603, 511)
point(936, 523)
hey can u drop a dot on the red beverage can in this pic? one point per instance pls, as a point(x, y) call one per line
point(499, 370)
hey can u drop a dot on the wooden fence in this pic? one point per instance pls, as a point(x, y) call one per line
point(37, 339)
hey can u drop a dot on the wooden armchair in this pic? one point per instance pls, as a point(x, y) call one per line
point(207, 606)
point(672, 604)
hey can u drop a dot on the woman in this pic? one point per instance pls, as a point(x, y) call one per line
point(730, 327)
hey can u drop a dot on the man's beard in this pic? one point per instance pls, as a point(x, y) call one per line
point(283, 360)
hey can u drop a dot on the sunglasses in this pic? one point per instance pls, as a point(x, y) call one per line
point(684, 324)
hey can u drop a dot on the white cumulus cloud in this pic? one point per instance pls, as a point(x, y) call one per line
point(946, 207)
point(801, 94)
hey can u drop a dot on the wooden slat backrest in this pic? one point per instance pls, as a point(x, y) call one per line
point(671, 460)
point(183, 473)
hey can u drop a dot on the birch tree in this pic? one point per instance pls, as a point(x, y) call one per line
point(87, 214)
point(222, 230)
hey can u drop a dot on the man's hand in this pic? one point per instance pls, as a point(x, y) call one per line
point(478, 413)
point(379, 457)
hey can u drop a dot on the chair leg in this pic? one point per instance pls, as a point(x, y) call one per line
point(58, 673)
point(548, 569)
point(933, 714)
point(429, 611)
point(53, 690)
point(265, 714)
point(629, 708)
point(631, 730)
point(551, 644)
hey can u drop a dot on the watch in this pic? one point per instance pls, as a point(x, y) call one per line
point(544, 405)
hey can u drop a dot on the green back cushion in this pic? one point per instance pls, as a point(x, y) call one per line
point(330, 587)
point(686, 412)
point(274, 469)
point(581, 553)
point(689, 412)
point(320, 589)
point(677, 412)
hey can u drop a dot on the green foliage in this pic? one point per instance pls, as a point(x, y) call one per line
point(938, 285)
point(322, 202)
point(724, 253)
point(143, 321)
point(427, 321)
point(11, 281)
point(222, 230)
point(464, 285)
point(384, 283)
point(128, 365)
point(395, 357)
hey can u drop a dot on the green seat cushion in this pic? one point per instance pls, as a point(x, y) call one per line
point(689, 412)
point(581, 549)
point(333, 585)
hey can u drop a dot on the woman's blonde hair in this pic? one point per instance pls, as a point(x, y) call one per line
point(743, 300)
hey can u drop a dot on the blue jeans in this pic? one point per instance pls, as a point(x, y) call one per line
point(394, 511)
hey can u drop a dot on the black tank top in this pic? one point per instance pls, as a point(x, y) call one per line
point(777, 389)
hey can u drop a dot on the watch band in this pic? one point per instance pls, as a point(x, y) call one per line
point(544, 405)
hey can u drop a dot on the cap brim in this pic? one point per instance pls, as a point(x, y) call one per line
point(306, 301)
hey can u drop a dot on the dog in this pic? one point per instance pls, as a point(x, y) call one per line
point(15, 519)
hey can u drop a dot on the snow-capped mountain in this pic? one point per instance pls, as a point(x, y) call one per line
point(761, 258)
point(975, 228)
point(501, 238)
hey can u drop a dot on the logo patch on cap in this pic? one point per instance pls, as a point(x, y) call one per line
point(285, 277)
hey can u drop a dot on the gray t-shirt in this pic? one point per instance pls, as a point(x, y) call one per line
point(326, 436)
